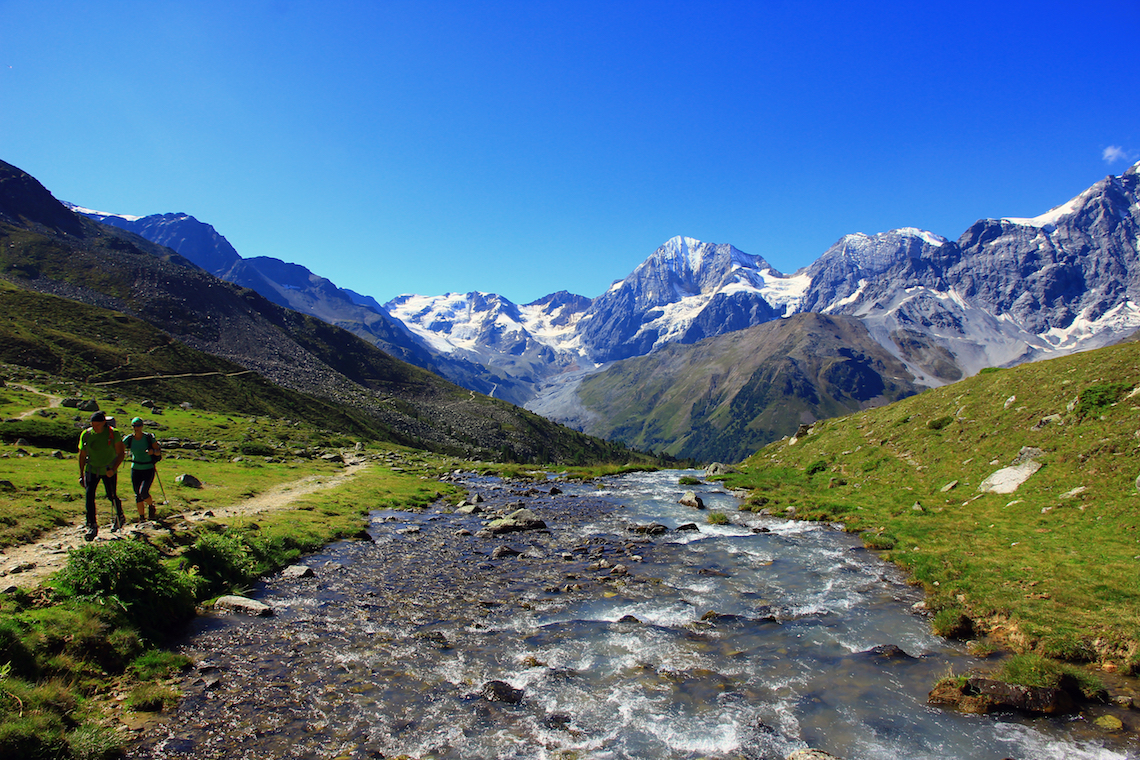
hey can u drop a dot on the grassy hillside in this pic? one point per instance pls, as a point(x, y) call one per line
point(1052, 567)
point(722, 398)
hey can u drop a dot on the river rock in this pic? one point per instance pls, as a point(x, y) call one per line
point(519, 520)
point(983, 695)
point(501, 691)
point(243, 605)
point(504, 551)
point(652, 529)
point(718, 468)
point(810, 754)
point(690, 499)
point(688, 528)
point(298, 571)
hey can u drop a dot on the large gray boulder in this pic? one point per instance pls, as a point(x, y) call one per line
point(243, 605)
point(517, 521)
point(690, 499)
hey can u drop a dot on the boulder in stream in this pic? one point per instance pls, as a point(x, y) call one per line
point(243, 605)
point(983, 695)
point(501, 691)
point(690, 499)
point(519, 520)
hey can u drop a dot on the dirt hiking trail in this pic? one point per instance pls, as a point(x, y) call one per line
point(29, 565)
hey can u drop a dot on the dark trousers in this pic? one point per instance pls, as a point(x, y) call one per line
point(141, 481)
point(110, 485)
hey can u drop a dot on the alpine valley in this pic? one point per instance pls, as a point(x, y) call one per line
point(707, 352)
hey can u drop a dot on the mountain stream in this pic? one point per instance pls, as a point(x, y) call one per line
point(595, 642)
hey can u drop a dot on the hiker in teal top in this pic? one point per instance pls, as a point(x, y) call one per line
point(145, 452)
point(100, 454)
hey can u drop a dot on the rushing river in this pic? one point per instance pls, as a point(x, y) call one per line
point(607, 633)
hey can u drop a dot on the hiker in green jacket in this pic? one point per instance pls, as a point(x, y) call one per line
point(145, 453)
point(100, 454)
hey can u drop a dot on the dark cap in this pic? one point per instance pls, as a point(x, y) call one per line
point(98, 417)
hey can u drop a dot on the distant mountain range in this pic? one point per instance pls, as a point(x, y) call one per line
point(929, 310)
point(149, 318)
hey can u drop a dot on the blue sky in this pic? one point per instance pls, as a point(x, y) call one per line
point(527, 147)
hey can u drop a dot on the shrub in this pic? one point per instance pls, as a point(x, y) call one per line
point(129, 575)
point(817, 466)
point(1098, 397)
point(718, 518)
point(941, 422)
point(256, 448)
point(688, 480)
point(224, 561)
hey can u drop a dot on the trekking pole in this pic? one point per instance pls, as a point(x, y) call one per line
point(156, 477)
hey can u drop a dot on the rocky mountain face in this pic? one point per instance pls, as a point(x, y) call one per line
point(47, 248)
point(686, 290)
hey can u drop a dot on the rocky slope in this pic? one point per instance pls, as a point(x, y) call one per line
point(724, 397)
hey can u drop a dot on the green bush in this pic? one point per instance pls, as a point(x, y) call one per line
point(688, 480)
point(1096, 398)
point(941, 422)
point(817, 466)
point(131, 576)
point(718, 518)
point(256, 449)
point(224, 562)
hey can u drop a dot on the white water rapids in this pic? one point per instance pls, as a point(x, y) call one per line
point(386, 651)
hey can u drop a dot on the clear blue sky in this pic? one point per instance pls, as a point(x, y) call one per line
point(527, 147)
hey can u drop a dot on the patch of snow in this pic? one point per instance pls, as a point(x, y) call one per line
point(1052, 216)
point(93, 212)
point(784, 290)
point(847, 299)
point(929, 237)
point(1123, 317)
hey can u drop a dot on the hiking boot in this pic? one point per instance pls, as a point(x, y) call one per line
point(92, 531)
point(151, 513)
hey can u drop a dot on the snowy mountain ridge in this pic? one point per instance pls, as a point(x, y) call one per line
point(1007, 291)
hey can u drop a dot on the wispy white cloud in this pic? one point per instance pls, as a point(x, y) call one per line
point(1114, 153)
